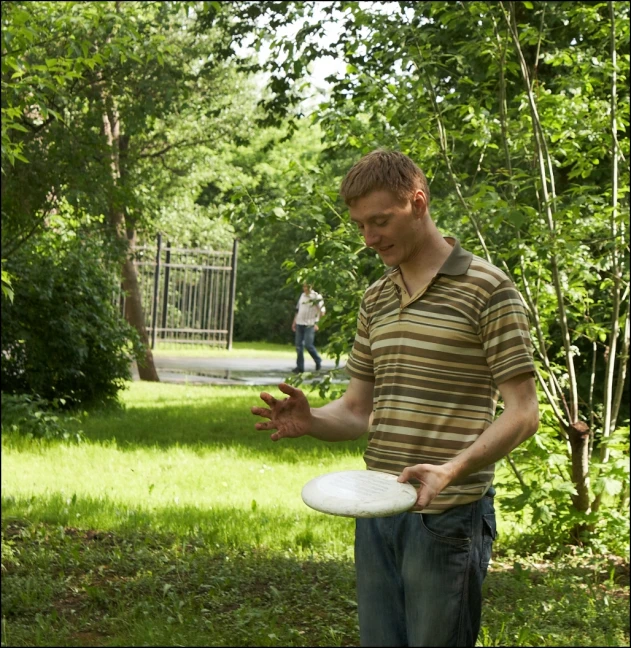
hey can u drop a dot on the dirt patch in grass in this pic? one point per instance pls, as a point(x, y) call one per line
point(89, 638)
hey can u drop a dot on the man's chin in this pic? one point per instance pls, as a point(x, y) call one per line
point(389, 260)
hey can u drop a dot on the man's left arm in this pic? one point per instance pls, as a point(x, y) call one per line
point(321, 312)
point(518, 421)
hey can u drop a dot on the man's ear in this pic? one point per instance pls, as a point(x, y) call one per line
point(419, 202)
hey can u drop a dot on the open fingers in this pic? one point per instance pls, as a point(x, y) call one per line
point(261, 411)
point(268, 398)
point(289, 390)
point(265, 425)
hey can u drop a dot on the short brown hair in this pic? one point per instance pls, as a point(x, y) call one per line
point(380, 170)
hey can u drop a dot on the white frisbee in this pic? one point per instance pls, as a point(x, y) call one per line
point(359, 493)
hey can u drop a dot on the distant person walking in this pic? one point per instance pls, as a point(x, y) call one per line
point(309, 309)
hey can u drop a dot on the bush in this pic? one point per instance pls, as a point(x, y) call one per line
point(63, 337)
point(543, 503)
point(33, 416)
point(10, 554)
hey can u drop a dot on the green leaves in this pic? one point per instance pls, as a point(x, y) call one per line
point(279, 212)
point(36, 417)
point(64, 339)
point(7, 288)
point(608, 485)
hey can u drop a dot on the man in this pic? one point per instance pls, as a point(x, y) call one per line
point(438, 336)
point(309, 309)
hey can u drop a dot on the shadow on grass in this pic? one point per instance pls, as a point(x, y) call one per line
point(139, 586)
point(158, 415)
point(136, 588)
point(218, 424)
point(217, 525)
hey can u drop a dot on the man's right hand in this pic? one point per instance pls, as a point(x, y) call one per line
point(291, 417)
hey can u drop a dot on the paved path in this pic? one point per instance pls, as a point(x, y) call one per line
point(173, 368)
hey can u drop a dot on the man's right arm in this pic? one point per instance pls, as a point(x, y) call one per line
point(346, 418)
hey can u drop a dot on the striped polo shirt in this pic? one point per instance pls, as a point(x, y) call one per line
point(436, 358)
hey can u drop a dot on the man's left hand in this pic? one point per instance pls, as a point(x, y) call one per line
point(433, 480)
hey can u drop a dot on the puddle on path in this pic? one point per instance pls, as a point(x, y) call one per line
point(232, 377)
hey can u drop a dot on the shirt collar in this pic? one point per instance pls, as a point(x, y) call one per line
point(456, 263)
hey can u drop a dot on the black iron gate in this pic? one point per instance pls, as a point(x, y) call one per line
point(187, 294)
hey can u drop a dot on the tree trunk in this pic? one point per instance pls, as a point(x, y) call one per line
point(133, 301)
point(136, 317)
point(578, 434)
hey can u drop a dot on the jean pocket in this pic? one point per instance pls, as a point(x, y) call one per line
point(489, 533)
point(490, 526)
point(453, 527)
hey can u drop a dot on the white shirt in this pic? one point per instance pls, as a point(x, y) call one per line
point(309, 308)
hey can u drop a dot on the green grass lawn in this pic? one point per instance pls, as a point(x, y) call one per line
point(239, 350)
point(177, 523)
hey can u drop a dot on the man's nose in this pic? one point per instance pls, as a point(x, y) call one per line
point(371, 237)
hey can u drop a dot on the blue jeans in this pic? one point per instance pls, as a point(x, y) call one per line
point(305, 335)
point(419, 576)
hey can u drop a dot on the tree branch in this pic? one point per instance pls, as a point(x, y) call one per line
point(590, 404)
point(13, 247)
point(553, 403)
point(517, 473)
point(622, 371)
point(608, 423)
point(548, 200)
point(445, 153)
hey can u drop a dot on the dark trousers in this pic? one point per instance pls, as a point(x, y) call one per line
point(419, 576)
point(305, 336)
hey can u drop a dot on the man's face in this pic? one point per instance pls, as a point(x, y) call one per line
point(306, 289)
point(390, 225)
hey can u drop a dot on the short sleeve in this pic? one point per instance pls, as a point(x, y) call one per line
point(505, 334)
point(360, 363)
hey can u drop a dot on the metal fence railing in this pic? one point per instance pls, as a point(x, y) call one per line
point(187, 294)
